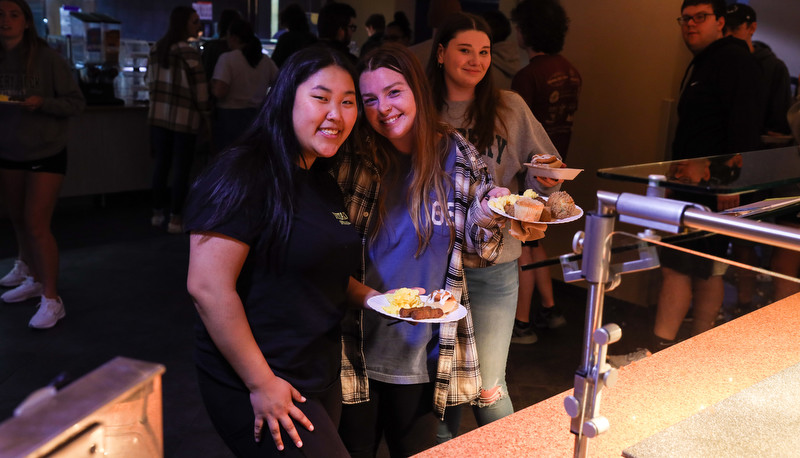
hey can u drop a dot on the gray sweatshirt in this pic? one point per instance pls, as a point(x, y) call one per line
point(26, 135)
point(523, 137)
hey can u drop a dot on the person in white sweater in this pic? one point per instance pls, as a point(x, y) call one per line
point(506, 133)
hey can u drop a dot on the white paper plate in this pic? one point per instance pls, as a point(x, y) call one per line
point(557, 174)
point(558, 221)
point(377, 303)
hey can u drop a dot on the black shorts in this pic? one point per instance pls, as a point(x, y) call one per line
point(694, 265)
point(52, 164)
point(531, 243)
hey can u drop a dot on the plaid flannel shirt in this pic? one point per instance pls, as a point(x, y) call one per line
point(179, 97)
point(458, 376)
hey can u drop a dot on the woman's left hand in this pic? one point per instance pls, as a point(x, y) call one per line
point(33, 103)
point(550, 182)
point(494, 192)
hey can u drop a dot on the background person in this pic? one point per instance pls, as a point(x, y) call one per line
point(437, 11)
point(336, 25)
point(399, 30)
point(33, 155)
point(550, 86)
point(271, 258)
point(178, 108)
point(718, 113)
point(506, 134)
point(741, 23)
point(212, 49)
point(375, 26)
point(417, 193)
point(505, 52)
point(240, 83)
point(297, 35)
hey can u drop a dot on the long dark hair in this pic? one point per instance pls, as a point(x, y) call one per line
point(255, 175)
point(482, 112)
point(31, 43)
point(177, 31)
point(430, 143)
point(252, 45)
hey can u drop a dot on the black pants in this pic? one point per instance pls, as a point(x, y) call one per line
point(173, 150)
point(401, 413)
point(233, 418)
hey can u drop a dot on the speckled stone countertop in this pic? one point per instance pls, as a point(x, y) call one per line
point(653, 393)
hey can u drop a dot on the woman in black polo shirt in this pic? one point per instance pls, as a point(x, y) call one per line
point(272, 254)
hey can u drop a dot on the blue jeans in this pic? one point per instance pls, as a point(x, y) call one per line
point(493, 298)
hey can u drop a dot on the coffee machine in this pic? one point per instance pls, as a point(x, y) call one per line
point(95, 43)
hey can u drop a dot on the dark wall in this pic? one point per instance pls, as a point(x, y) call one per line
point(148, 19)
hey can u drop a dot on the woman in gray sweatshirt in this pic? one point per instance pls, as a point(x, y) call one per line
point(505, 132)
point(37, 95)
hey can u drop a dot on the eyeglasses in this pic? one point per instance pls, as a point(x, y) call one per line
point(698, 18)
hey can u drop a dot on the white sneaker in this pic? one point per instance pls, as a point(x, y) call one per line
point(175, 225)
point(618, 361)
point(158, 218)
point(23, 292)
point(48, 314)
point(17, 274)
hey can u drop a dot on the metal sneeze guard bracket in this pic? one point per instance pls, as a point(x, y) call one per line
point(593, 374)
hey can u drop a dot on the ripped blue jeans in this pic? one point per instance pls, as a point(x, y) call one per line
point(493, 295)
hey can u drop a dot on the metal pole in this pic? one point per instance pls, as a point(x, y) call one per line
point(597, 255)
point(652, 212)
point(770, 234)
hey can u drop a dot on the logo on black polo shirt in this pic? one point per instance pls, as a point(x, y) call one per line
point(342, 218)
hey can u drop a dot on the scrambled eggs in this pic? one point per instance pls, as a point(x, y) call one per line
point(499, 203)
point(404, 298)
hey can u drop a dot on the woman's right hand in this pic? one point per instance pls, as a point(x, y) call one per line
point(273, 406)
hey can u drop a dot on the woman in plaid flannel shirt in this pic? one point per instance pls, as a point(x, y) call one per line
point(397, 380)
point(178, 107)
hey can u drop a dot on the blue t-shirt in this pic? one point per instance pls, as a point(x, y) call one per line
point(403, 353)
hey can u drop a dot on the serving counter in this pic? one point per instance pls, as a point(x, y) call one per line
point(109, 151)
point(654, 393)
point(682, 381)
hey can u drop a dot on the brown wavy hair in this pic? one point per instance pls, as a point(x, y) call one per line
point(483, 111)
point(429, 151)
point(31, 42)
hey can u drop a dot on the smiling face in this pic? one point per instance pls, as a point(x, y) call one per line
point(324, 113)
point(465, 59)
point(12, 23)
point(389, 106)
point(698, 36)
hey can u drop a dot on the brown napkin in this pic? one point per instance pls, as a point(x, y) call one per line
point(527, 232)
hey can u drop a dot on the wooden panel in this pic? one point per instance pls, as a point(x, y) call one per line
point(109, 151)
